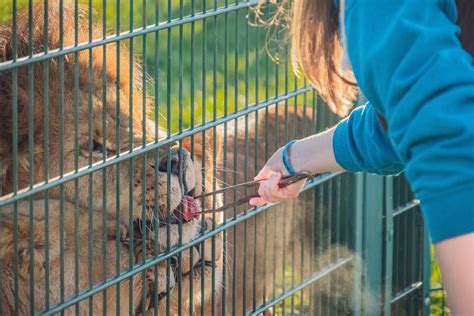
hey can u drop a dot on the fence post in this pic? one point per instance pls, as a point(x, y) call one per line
point(426, 271)
point(357, 238)
point(373, 242)
point(388, 247)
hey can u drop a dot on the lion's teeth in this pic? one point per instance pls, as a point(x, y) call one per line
point(190, 208)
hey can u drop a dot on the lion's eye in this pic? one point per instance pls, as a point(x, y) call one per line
point(97, 147)
point(100, 148)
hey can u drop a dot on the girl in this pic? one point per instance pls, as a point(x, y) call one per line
point(413, 62)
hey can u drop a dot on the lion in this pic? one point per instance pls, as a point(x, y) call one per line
point(86, 109)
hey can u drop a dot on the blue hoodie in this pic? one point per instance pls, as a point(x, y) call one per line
point(409, 63)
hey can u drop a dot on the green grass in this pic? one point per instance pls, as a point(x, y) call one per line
point(298, 303)
point(210, 85)
point(438, 298)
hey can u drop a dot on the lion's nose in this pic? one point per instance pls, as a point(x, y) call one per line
point(176, 155)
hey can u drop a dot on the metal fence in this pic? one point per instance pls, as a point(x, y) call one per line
point(115, 115)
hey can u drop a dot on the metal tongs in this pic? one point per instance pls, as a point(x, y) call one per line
point(284, 182)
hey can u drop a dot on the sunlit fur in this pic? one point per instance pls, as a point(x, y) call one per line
point(107, 84)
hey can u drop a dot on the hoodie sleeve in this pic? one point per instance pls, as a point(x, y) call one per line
point(360, 143)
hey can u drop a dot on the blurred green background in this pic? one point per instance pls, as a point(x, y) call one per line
point(232, 72)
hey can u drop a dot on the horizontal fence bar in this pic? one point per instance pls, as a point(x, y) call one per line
point(402, 209)
point(174, 251)
point(437, 289)
point(315, 277)
point(42, 56)
point(406, 291)
point(70, 176)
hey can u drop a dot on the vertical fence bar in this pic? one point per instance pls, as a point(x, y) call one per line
point(203, 145)
point(30, 157)
point(156, 113)
point(357, 233)
point(61, 155)
point(76, 154)
point(426, 274)
point(235, 132)
point(305, 206)
point(131, 164)
point(46, 152)
point(225, 160)
point(373, 212)
point(192, 123)
point(144, 159)
point(246, 150)
point(90, 92)
point(284, 222)
point(180, 152)
point(297, 135)
point(16, 258)
point(396, 274)
point(388, 246)
point(321, 206)
point(313, 130)
point(168, 162)
point(214, 159)
point(104, 155)
point(266, 155)
point(117, 167)
point(256, 167)
point(414, 228)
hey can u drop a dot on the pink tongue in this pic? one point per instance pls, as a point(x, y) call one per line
point(190, 208)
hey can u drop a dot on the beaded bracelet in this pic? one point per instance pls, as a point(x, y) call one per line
point(286, 162)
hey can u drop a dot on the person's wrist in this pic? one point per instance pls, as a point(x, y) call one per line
point(297, 156)
point(286, 158)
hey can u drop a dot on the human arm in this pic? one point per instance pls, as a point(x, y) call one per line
point(357, 143)
point(312, 154)
point(361, 144)
point(456, 259)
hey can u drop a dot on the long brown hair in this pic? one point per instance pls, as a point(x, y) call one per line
point(316, 48)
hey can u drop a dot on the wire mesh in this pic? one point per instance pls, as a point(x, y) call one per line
point(115, 114)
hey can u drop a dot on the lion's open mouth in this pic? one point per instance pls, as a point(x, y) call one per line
point(189, 208)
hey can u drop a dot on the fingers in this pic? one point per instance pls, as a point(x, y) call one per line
point(258, 201)
point(270, 191)
point(264, 174)
point(270, 175)
point(292, 191)
point(266, 187)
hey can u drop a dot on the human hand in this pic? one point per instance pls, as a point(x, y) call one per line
point(270, 175)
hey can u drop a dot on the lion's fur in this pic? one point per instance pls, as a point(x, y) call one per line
point(80, 89)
